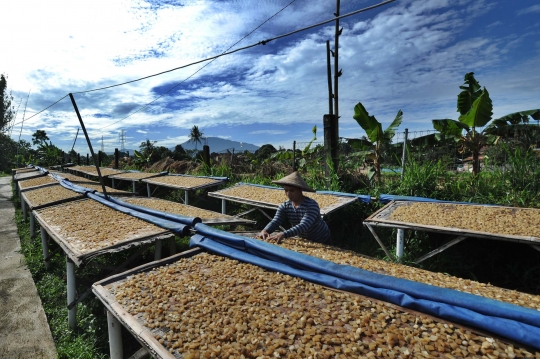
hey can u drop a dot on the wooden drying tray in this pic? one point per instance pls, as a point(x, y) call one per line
point(144, 175)
point(156, 182)
point(381, 218)
point(97, 186)
point(79, 257)
point(219, 219)
point(34, 206)
point(343, 200)
point(21, 189)
point(95, 174)
point(28, 175)
point(104, 289)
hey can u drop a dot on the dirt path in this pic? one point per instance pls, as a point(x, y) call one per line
point(24, 331)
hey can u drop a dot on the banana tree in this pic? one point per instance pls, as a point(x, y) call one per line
point(376, 135)
point(475, 108)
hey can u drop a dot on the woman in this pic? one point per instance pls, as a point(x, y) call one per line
point(302, 212)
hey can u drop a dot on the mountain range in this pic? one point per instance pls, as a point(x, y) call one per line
point(217, 144)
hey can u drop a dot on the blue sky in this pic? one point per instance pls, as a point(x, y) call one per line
point(408, 55)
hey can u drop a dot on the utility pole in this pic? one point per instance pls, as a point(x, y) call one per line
point(337, 71)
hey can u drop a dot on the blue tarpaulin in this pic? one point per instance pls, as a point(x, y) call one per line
point(507, 320)
point(190, 221)
point(177, 228)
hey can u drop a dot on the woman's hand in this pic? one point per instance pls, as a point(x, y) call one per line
point(278, 237)
point(264, 235)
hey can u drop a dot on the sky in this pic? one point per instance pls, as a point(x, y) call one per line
point(409, 54)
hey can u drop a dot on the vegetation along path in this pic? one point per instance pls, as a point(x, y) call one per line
point(24, 332)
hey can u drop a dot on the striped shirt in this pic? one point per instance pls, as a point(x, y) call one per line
point(305, 220)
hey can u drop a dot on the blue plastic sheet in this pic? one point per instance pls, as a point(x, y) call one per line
point(507, 320)
point(76, 188)
point(177, 228)
point(189, 221)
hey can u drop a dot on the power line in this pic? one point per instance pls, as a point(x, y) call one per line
point(193, 74)
point(46, 108)
point(263, 42)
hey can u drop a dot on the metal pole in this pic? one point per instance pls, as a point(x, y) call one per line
point(71, 291)
point(115, 337)
point(134, 187)
point(101, 180)
point(23, 204)
point(112, 183)
point(400, 243)
point(116, 158)
point(404, 153)
point(148, 190)
point(45, 246)
point(223, 206)
point(186, 201)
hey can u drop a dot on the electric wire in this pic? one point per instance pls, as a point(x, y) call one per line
point(263, 42)
point(193, 74)
point(46, 108)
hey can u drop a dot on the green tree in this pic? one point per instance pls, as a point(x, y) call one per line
point(39, 138)
point(6, 108)
point(475, 108)
point(195, 135)
point(179, 153)
point(375, 134)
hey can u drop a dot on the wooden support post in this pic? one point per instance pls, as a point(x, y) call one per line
point(404, 153)
point(206, 155)
point(172, 246)
point(116, 158)
point(379, 241)
point(78, 159)
point(45, 247)
point(115, 337)
point(87, 159)
point(157, 252)
point(71, 292)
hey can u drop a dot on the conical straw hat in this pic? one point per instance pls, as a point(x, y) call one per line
point(294, 180)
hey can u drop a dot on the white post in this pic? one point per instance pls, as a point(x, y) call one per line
point(157, 253)
point(72, 313)
point(172, 246)
point(23, 204)
point(45, 246)
point(115, 337)
point(148, 189)
point(32, 225)
point(399, 243)
point(186, 201)
point(223, 206)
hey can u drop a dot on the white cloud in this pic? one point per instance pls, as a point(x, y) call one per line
point(528, 10)
point(268, 132)
point(141, 131)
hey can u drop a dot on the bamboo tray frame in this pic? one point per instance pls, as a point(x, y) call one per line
point(343, 200)
point(160, 184)
point(102, 289)
point(79, 257)
point(223, 219)
point(381, 219)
